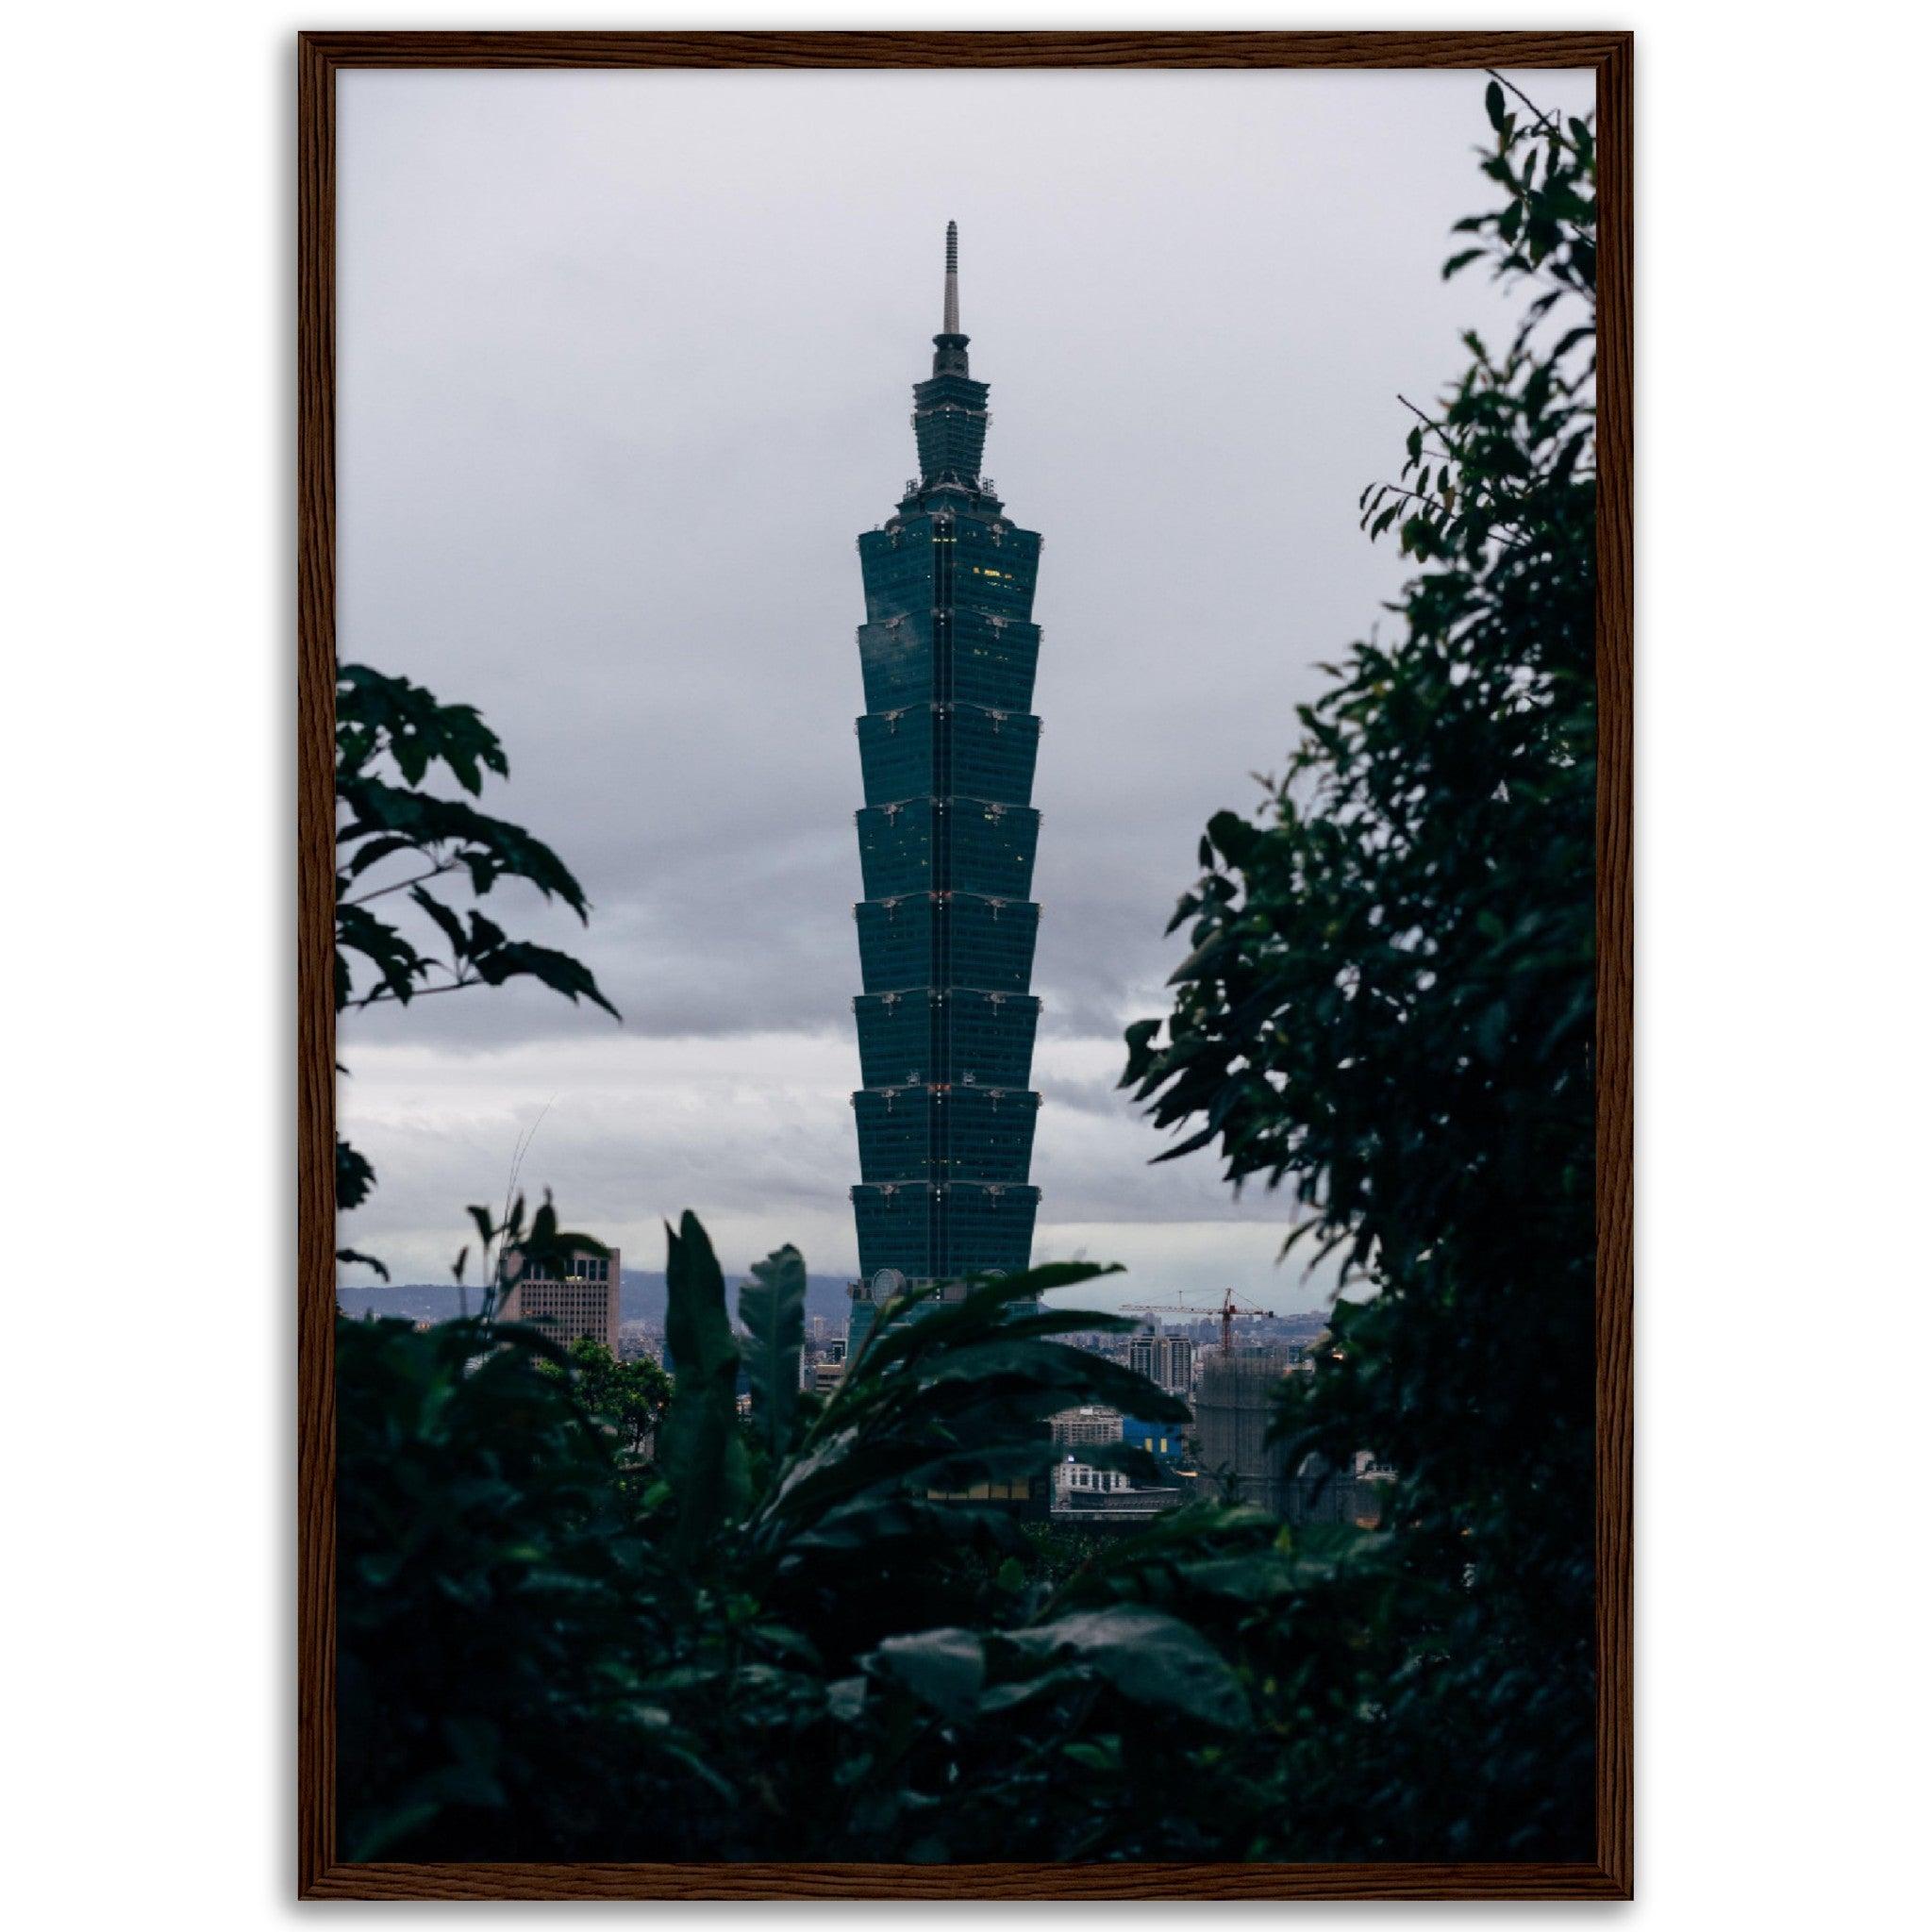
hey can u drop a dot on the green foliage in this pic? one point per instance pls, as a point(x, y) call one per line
point(491, 1596)
point(397, 833)
point(702, 1452)
point(771, 1307)
point(1057, 1551)
point(1146, 1656)
point(355, 1177)
point(390, 736)
point(627, 1398)
point(509, 1248)
point(1388, 1011)
point(539, 1658)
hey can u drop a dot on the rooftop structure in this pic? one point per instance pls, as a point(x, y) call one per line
point(1107, 1498)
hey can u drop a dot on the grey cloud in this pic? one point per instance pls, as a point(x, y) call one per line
point(756, 1134)
point(624, 366)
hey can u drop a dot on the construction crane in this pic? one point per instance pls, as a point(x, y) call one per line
point(1230, 1307)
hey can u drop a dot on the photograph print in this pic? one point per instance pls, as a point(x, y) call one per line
point(978, 1040)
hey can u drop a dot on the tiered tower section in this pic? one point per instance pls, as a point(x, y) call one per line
point(946, 840)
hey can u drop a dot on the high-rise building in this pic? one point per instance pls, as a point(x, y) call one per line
point(575, 1301)
point(1177, 1370)
point(946, 1110)
point(1166, 1360)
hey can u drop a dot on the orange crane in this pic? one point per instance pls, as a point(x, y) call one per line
point(1230, 1307)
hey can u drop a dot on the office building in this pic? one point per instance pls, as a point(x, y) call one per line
point(576, 1300)
point(1092, 1422)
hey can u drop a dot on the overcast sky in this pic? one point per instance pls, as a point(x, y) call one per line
point(624, 365)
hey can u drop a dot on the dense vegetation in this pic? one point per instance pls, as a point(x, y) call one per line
point(805, 1635)
point(1388, 1011)
point(572, 1629)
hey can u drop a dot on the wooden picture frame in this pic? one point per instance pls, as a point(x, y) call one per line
point(322, 1872)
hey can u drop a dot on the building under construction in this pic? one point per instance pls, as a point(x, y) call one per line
point(1234, 1409)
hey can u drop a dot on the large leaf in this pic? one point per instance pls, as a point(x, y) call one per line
point(1057, 1369)
point(771, 1307)
point(355, 1177)
point(937, 1325)
point(943, 1668)
point(876, 1526)
point(953, 1399)
point(1144, 1654)
point(701, 1453)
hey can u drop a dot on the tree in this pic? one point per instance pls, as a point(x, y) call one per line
point(627, 1397)
point(398, 834)
point(1388, 1011)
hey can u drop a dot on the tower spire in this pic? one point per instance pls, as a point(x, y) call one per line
point(951, 321)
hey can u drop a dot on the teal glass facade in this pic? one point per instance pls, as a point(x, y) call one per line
point(946, 842)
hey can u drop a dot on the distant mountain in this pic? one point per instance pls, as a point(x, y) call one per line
point(640, 1298)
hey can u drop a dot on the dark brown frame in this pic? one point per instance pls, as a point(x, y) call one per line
point(322, 1873)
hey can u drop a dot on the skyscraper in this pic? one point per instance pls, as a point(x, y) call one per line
point(1166, 1360)
point(946, 840)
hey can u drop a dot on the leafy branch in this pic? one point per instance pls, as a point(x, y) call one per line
point(396, 836)
point(391, 735)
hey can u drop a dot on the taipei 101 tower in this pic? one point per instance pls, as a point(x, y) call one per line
point(945, 840)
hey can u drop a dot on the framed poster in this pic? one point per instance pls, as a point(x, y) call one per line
point(991, 1260)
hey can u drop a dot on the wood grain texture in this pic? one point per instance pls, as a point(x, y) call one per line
point(315, 1022)
point(321, 1874)
point(1615, 974)
point(1239, 49)
point(774, 1882)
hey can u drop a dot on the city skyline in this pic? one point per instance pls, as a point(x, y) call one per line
point(603, 447)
